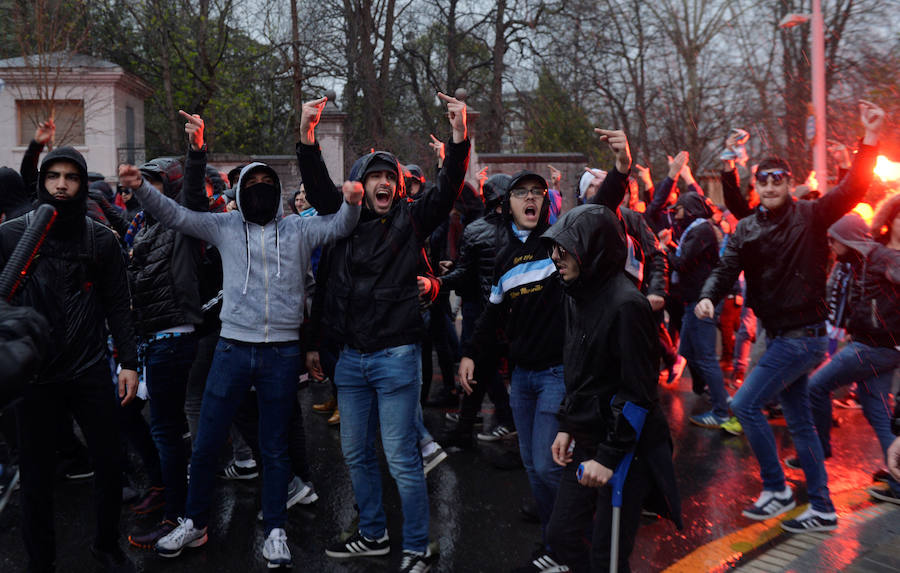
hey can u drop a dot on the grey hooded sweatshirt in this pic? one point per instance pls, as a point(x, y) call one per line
point(263, 265)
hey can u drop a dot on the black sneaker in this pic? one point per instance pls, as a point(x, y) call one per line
point(770, 504)
point(432, 455)
point(454, 417)
point(881, 475)
point(497, 433)
point(810, 522)
point(359, 546)
point(543, 562)
point(793, 463)
point(415, 561)
point(883, 494)
point(236, 472)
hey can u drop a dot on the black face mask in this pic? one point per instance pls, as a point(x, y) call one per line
point(259, 203)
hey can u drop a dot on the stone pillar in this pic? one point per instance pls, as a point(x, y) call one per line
point(330, 134)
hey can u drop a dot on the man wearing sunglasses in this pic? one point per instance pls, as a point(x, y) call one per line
point(783, 251)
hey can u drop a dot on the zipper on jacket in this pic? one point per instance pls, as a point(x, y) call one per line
point(262, 234)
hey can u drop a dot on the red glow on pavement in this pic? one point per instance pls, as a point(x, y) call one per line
point(887, 170)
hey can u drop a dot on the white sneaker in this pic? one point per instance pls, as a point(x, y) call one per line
point(771, 504)
point(276, 550)
point(185, 535)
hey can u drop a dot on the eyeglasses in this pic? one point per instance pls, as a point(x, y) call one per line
point(522, 192)
point(776, 176)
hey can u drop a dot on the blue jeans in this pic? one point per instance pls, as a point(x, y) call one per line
point(382, 389)
point(698, 347)
point(872, 368)
point(535, 396)
point(784, 369)
point(273, 369)
point(167, 363)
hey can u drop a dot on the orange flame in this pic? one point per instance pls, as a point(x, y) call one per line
point(865, 211)
point(887, 170)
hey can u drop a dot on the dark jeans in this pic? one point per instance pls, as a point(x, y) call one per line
point(576, 506)
point(441, 337)
point(206, 348)
point(273, 369)
point(91, 398)
point(488, 378)
point(135, 431)
point(167, 364)
point(247, 423)
point(698, 346)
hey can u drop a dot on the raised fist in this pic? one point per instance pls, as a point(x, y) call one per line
point(129, 176)
point(353, 192)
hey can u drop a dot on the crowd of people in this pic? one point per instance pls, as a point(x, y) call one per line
point(193, 292)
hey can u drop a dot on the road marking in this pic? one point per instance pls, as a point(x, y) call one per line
point(723, 553)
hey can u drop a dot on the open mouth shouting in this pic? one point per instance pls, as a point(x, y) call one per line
point(531, 213)
point(383, 197)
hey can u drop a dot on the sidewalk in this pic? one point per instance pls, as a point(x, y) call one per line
point(866, 541)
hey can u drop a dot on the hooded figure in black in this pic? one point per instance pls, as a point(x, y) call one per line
point(14, 197)
point(78, 282)
point(611, 357)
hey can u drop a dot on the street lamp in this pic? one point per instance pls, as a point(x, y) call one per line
point(820, 162)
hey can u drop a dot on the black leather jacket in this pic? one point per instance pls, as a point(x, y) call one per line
point(784, 254)
point(473, 274)
point(372, 295)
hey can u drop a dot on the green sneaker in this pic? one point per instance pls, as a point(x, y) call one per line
point(732, 426)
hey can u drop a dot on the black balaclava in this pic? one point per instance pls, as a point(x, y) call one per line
point(70, 213)
point(259, 203)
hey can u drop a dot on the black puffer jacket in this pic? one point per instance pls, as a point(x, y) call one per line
point(164, 262)
point(23, 341)
point(611, 351)
point(78, 282)
point(372, 296)
point(698, 252)
point(784, 254)
point(473, 274)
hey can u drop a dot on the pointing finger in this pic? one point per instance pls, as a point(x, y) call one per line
point(447, 98)
point(435, 139)
point(317, 103)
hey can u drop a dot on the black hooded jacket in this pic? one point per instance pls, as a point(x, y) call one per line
point(164, 264)
point(78, 282)
point(611, 353)
point(372, 298)
point(784, 253)
point(698, 252)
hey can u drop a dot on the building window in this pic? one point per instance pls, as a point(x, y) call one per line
point(68, 115)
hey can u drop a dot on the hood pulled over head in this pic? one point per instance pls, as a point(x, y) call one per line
point(594, 235)
point(70, 212)
point(695, 207)
point(168, 170)
point(259, 203)
point(851, 230)
point(14, 198)
point(379, 161)
point(495, 190)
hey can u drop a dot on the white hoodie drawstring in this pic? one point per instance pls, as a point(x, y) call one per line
point(247, 242)
point(277, 250)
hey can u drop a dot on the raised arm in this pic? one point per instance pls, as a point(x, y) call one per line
point(731, 190)
point(193, 191)
point(321, 191)
point(326, 229)
point(614, 187)
point(29, 168)
point(196, 224)
point(838, 201)
point(435, 205)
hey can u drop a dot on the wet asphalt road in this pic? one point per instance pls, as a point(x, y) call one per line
point(475, 516)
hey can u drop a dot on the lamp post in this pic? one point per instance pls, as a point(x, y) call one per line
point(820, 158)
